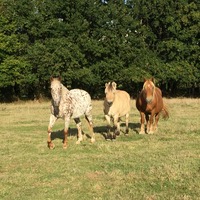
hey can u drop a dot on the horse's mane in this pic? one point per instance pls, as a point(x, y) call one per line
point(149, 81)
point(110, 87)
point(64, 89)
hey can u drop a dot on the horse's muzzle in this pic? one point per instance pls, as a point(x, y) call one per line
point(149, 100)
point(109, 103)
point(56, 103)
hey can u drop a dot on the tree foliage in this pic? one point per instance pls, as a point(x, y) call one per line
point(90, 42)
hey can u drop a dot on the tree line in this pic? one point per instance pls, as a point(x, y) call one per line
point(91, 42)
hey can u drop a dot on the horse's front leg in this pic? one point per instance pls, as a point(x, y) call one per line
point(116, 126)
point(78, 125)
point(89, 120)
point(50, 126)
point(109, 136)
point(67, 120)
point(147, 123)
point(142, 121)
point(151, 120)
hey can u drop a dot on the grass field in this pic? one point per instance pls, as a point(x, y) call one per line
point(165, 165)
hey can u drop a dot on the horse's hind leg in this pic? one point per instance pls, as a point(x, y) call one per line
point(78, 125)
point(50, 126)
point(157, 116)
point(127, 120)
point(67, 120)
point(90, 124)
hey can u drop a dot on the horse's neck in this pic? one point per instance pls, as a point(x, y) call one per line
point(158, 91)
point(64, 90)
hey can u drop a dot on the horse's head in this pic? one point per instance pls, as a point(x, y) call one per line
point(56, 90)
point(110, 90)
point(148, 90)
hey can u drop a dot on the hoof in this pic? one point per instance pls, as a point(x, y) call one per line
point(117, 133)
point(78, 142)
point(108, 137)
point(114, 137)
point(142, 132)
point(50, 145)
point(92, 140)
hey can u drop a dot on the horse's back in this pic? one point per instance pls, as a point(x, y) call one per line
point(81, 101)
point(159, 99)
point(122, 97)
point(80, 95)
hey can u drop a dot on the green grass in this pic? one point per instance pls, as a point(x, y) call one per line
point(165, 165)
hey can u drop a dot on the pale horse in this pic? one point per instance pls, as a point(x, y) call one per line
point(67, 104)
point(116, 105)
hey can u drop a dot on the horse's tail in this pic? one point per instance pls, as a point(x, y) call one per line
point(165, 112)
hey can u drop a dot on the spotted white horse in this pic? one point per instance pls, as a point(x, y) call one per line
point(69, 104)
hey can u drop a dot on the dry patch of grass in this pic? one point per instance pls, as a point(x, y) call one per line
point(160, 166)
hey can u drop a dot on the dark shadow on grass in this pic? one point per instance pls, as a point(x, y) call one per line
point(103, 129)
point(73, 132)
point(60, 133)
point(135, 127)
point(97, 130)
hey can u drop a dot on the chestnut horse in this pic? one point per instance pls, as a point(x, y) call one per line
point(150, 103)
point(69, 104)
point(116, 105)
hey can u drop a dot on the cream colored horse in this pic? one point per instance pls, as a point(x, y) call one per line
point(116, 105)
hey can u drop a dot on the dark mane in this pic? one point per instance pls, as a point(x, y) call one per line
point(110, 87)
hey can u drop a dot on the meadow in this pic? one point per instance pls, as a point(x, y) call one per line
point(165, 165)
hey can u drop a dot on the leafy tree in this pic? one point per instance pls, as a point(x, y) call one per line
point(14, 69)
point(91, 42)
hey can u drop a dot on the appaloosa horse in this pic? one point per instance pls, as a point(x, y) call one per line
point(116, 105)
point(69, 104)
point(150, 103)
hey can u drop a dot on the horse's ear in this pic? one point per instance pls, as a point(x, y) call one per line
point(153, 79)
point(59, 78)
point(114, 85)
point(51, 78)
point(106, 84)
point(144, 79)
